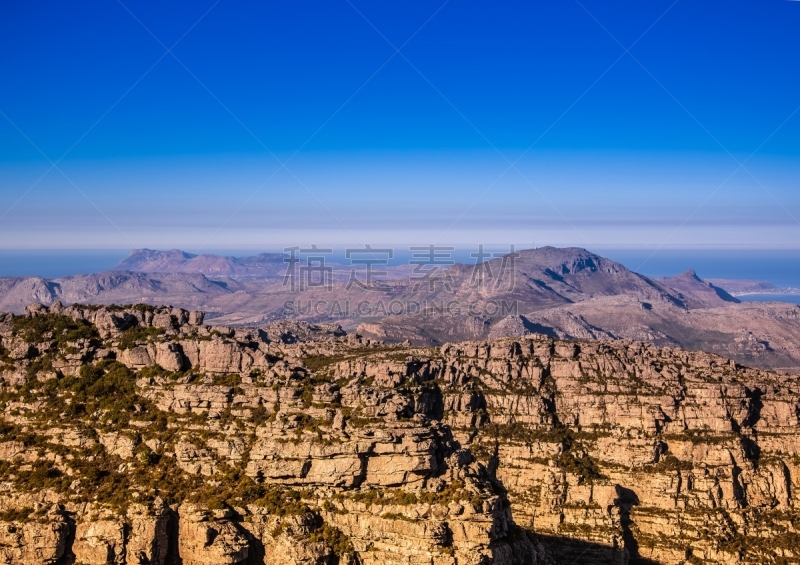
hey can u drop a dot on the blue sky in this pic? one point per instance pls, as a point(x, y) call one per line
point(495, 122)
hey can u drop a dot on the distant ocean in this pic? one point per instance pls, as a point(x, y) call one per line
point(793, 298)
point(780, 267)
point(51, 263)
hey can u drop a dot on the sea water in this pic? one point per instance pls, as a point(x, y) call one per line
point(56, 263)
point(780, 267)
point(793, 298)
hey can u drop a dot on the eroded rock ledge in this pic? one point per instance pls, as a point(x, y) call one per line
point(141, 435)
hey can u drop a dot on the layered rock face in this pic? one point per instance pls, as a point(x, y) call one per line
point(141, 435)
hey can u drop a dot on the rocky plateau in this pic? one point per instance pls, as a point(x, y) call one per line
point(143, 435)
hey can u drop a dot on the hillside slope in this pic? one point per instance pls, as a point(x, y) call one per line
point(693, 287)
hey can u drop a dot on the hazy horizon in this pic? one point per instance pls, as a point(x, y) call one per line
point(781, 267)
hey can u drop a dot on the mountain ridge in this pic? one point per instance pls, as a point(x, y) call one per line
point(689, 283)
point(566, 292)
point(178, 261)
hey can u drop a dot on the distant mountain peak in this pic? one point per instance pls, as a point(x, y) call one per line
point(691, 285)
point(145, 252)
point(178, 261)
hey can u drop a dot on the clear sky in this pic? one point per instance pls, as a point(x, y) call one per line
point(496, 122)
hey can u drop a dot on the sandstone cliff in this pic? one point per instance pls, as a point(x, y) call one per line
point(142, 435)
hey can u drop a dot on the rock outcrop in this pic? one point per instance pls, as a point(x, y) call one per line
point(142, 435)
point(33, 542)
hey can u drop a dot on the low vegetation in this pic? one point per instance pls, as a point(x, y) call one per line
point(91, 436)
point(53, 327)
point(137, 335)
point(455, 491)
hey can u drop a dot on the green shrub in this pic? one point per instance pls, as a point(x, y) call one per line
point(381, 496)
point(306, 423)
point(670, 463)
point(520, 431)
point(155, 371)
point(280, 501)
point(6, 362)
point(16, 514)
point(15, 432)
point(132, 337)
point(42, 475)
point(703, 437)
point(39, 365)
point(232, 487)
point(259, 415)
point(581, 464)
point(228, 379)
point(316, 363)
point(455, 491)
point(339, 544)
point(105, 391)
point(362, 422)
point(36, 329)
point(307, 397)
point(396, 516)
point(572, 459)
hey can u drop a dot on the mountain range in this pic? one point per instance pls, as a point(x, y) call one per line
point(562, 292)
